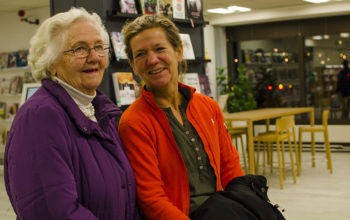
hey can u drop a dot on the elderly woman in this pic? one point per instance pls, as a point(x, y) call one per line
point(175, 139)
point(64, 158)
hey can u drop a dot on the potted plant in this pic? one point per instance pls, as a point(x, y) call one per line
point(240, 97)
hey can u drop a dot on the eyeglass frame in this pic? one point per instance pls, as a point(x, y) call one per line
point(88, 49)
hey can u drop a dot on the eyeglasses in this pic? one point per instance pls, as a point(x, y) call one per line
point(82, 52)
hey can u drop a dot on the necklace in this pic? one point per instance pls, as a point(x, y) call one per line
point(88, 110)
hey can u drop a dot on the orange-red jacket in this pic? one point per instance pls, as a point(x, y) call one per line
point(161, 176)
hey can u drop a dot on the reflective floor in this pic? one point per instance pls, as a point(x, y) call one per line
point(316, 195)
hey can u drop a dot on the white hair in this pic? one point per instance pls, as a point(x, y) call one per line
point(48, 41)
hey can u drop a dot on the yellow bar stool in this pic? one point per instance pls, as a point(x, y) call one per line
point(284, 131)
point(237, 132)
point(312, 130)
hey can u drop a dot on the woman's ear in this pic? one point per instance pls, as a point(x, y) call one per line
point(52, 70)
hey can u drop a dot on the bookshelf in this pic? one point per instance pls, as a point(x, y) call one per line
point(109, 10)
point(10, 97)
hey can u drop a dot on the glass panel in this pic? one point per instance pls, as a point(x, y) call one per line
point(324, 55)
point(272, 68)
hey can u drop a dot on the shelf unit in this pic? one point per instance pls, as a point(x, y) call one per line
point(114, 21)
point(9, 100)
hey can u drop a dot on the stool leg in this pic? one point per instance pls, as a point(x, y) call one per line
point(264, 158)
point(313, 148)
point(300, 149)
point(243, 154)
point(283, 162)
point(279, 164)
point(328, 152)
point(291, 159)
point(296, 153)
point(257, 158)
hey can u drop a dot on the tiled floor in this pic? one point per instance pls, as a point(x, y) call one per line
point(317, 194)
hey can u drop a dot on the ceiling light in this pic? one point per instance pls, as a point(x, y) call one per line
point(344, 35)
point(219, 11)
point(326, 36)
point(238, 8)
point(228, 10)
point(317, 37)
point(316, 1)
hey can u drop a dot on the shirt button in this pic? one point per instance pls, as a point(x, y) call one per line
point(192, 139)
point(196, 149)
point(123, 186)
point(187, 132)
point(199, 158)
point(201, 167)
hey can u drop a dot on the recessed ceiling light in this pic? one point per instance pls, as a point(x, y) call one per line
point(228, 10)
point(317, 37)
point(316, 1)
point(219, 11)
point(344, 35)
point(238, 8)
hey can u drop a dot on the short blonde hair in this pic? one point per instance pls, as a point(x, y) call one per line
point(48, 41)
point(131, 29)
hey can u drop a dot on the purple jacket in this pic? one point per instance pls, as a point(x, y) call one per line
point(61, 165)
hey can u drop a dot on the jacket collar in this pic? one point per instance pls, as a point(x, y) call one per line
point(149, 97)
point(104, 108)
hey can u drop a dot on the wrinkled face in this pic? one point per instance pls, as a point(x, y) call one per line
point(154, 58)
point(84, 74)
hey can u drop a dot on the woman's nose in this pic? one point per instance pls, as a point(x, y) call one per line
point(152, 57)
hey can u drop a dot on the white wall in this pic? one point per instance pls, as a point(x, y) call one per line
point(15, 34)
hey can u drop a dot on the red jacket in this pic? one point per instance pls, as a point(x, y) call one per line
point(161, 176)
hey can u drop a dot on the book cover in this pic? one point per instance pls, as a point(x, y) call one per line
point(188, 52)
point(194, 9)
point(149, 6)
point(11, 60)
point(117, 39)
point(128, 6)
point(205, 85)
point(2, 110)
point(4, 57)
point(192, 79)
point(124, 88)
point(166, 8)
point(21, 58)
point(16, 85)
point(11, 110)
point(179, 11)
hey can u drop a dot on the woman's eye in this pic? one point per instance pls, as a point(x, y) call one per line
point(160, 48)
point(79, 49)
point(139, 55)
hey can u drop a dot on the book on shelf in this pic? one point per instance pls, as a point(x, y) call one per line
point(4, 57)
point(191, 79)
point(21, 58)
point(16, 85)
point(117, 39)
point(166, 8)
point(5, 86)
point(205, 85)
point(179, 9)
point(2, 110)
point(128, 6)
point(11, 60)
point(188, 52)
point(149, 6)
point(124, 88)
point(194, 9)
point(11, 110)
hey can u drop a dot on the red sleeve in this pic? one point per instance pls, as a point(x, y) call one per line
point(141, 150)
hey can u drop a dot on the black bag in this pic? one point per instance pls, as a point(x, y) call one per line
point(245, 198)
